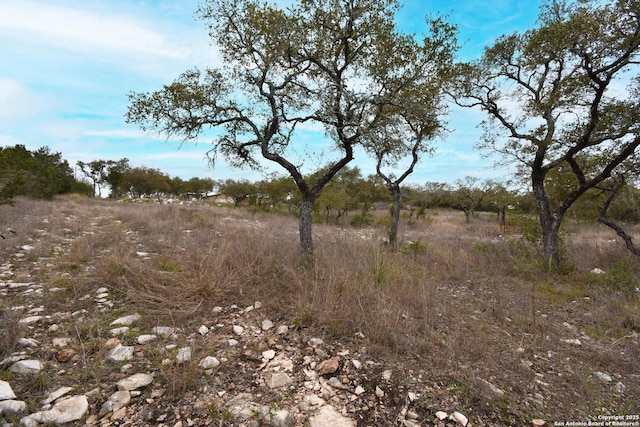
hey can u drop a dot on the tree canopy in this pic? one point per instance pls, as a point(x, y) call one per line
point(561, 97)
point(337, 65)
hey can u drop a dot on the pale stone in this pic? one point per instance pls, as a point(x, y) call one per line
point(328, 366)
point(356, 364)
point(282, 329)
point(126, 320)
point(163, 331)
point(12, 406)
point(120, 353)
point(209, 362)
point(146, 338)
point(56, 394)
point(134, 382)
point(386, 375)
point(119, 331)
point(232, 342)
point(238, 330)
point(203, 330)
point(64, 411)
point(26, 367)
point(575, 342)
point(537, 422)
point(359, 390)
point(6, 392)
point(379, 392)
point(267, 324)
point(117, 401)
point(29, 320)
point(314, 342)
point(28, 342)
point(60, 342)
point(280, 379)
point(490, 389)
point(268, 354)
point(441, 415)
point(604, 377)
point(257, 305)
point(184, 355)
point(329, 416)
point(460, 418)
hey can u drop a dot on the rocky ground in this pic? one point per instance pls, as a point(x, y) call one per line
point(92, 359)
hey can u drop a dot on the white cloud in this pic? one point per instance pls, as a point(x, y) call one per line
point(17, 101)
point(85, 30)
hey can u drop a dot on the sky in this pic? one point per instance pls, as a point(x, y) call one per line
point(66, 67)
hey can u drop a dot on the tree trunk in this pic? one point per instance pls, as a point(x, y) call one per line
point(306, 218)
point(395, 216)
point(551, 245)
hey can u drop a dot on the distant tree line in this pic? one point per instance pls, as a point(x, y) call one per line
point(37, 174)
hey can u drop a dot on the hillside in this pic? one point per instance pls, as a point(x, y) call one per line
point(182, 315)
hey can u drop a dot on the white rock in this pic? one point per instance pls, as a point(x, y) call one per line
point(356, 363)
point(257, 305)
point(60, 342)
point(268, 354)
point(603, 377)
point(441, 415)
point(572, 341)
point(184, 355)
point(314, 342)
point(460, 419)
point(126, 320)
point(620, 387)
point(29, 320)
point(386, 375)
point(232, 342)
point(146, 339)
point(26, 367)
point(117, 401)
point(28, 342)
point(119, 331)
point(102, 290)
point(412, 396)
point(267, 324)
point(56, 394)
point(359, 390)
point(282, 329)
point(163, 331)
point(329, 416)
point(238, 330)
point(280, 379)
point(120, 353)
point(6, 392)
point(12, 406)
point(597, 271)
point(64, 411)
point(134, 382)
point(209, 362)
point(379, 392)
point(203, 330)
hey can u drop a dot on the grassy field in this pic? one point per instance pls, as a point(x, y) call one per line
point(461, 302)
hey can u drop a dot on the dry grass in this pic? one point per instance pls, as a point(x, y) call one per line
point(459, 300)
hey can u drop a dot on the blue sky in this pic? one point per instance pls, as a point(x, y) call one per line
point(66, 67)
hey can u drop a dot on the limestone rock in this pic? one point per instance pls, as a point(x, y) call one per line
point(12, 406)
point(6, 392)
point(126, 320)
point(329, 416)
point(184, 355)
point(328, 366)
point(120, 353)
point(135, 382)
point(29, 366)
point(280, 379)
point(64, 411)
point(56, 394)
point(209, 362)
point(266, 325)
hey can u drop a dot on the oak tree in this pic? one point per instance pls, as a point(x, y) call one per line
point(562, 95)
